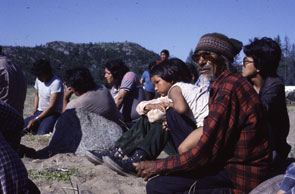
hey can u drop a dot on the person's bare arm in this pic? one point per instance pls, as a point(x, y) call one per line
point(141, 81)
point(36, 101)
point(48, 111)
point(67, 95)
point(191, 140)
point(120, 98)
point(179, 104)
point(281, 192)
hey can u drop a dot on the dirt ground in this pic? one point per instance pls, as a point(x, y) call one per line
point(67, 173)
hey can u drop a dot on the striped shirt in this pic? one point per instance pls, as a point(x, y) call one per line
point(234, 137)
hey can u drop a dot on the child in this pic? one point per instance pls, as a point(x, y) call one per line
point(172, 78)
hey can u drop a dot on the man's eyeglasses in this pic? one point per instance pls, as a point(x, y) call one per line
point(207, 56)
point(246, 61)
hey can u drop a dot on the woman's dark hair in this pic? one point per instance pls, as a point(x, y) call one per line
point(193, 69)
point(172, 70)
point(41, 67)
point(166, 52)
point(80, 79)
point(118, 69)
point(266, 54)
point(151, 65)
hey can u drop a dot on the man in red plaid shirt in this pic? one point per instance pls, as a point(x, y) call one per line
point(233, 154)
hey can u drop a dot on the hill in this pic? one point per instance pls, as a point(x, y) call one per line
point(65, 55)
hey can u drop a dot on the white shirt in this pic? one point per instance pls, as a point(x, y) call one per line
point(46, 89)
point(197, 98)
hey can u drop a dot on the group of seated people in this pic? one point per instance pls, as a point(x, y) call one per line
point(224, 132)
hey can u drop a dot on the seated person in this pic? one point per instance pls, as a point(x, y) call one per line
point(11, 126)
point(91, 97)
point(48, 99)
point(262, 58)
point(13, 86)
point(173, 70)
point(14, 176)
point(232, 155)
point(145, 80)
point(126, 89)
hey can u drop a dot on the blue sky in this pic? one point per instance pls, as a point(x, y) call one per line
point(175, 25)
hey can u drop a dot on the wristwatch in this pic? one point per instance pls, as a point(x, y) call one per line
point(37, 118)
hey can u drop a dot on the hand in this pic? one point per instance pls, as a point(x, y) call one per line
point(34, 111)
point(32, 123)
point(165, 126)
point(155, 106)
point(145, 169)
point(68, 93)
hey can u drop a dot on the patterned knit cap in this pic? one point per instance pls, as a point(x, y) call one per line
point(220, 44)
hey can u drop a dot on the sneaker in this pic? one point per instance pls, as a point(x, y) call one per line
point(95, 156)
point(125, 166)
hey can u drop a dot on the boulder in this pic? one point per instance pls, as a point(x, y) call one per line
point(269, 186)
point(77, 131)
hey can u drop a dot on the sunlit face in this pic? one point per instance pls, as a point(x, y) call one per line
point(248, 67)
point(163, 56)
point(109, 77)
point(161, 86)
point(208, 63)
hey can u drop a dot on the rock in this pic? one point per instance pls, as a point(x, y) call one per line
point(269, 186)
point(77, 131)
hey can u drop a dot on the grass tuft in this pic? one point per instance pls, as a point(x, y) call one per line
point(53, 174)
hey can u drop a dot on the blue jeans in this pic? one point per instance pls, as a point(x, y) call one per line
point(218, 183)
point(45, 125)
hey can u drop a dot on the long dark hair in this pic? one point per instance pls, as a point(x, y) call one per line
point(172, 70)
point(118, 69)
point(80, 79)
point(266, 54)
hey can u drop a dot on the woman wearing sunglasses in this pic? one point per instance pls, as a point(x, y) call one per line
point(262, 58)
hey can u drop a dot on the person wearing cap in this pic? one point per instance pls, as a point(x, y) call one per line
point(262, 58)
point(232, 155)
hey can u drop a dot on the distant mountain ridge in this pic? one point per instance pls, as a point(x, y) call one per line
point(65, 55)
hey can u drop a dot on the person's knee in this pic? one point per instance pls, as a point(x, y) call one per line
point(182, 149)
point(151, 186)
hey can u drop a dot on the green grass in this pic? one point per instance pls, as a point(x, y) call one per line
point(50, 174)
point(31, 137)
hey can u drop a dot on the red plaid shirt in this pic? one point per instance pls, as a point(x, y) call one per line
point(233, 136)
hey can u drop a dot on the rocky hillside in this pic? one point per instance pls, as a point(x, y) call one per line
point(64, 55)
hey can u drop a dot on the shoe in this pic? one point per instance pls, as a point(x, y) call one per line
point(95, 156)
point(125, 166)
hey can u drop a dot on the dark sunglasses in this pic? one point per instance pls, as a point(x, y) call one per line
point(245, 61)
point(207, 56)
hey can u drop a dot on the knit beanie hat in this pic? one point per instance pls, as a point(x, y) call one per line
point(220, 44)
